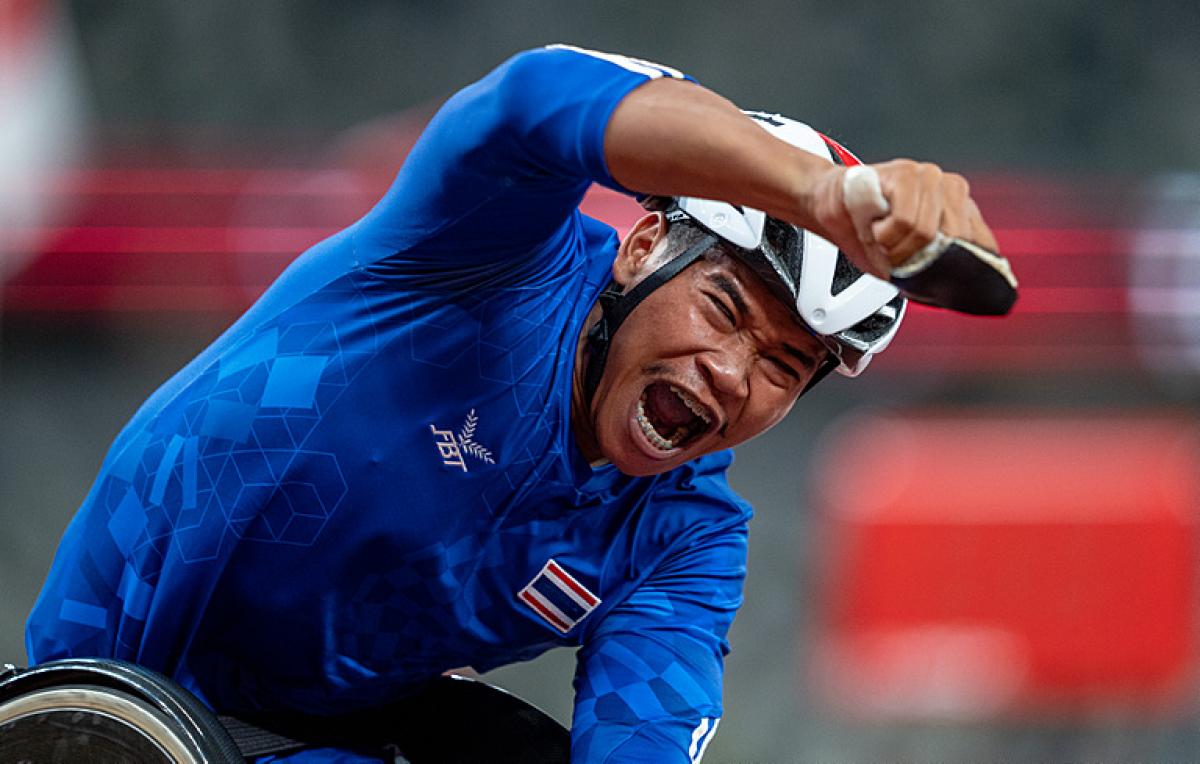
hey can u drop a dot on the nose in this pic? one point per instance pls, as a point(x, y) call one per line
point(727, 370)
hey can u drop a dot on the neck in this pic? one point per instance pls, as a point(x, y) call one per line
point(582, 421)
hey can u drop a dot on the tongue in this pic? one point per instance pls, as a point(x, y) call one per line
point(666, 409)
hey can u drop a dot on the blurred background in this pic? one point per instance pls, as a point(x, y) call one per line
point(983, 550)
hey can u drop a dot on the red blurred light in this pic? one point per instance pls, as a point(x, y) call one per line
point(222, 233)
point(998, 564)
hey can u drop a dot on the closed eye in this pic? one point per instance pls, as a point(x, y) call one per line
point(805, 358)
point(786, 368)
point(722, 307)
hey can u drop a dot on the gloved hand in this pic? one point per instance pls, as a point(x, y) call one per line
point(950, 272)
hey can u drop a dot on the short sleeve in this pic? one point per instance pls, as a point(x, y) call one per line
point(505, 162)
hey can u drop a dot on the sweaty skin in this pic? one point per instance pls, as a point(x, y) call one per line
point(402, 383)
point(715, 332)
point(674, 138)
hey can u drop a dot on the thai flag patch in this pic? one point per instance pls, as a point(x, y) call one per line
point(558, 598)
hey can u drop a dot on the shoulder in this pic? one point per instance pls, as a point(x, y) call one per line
point(703, 484)
point(693, 509)
point(686, 561)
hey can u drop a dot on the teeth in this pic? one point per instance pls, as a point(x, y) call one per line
point(680, 433)
point(665, 444)
point(692, 404)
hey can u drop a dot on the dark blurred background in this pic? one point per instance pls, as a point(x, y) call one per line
point(984, 549)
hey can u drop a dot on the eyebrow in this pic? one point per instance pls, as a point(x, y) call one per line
point(729, 288)
point(805, 358)
point(739, 301)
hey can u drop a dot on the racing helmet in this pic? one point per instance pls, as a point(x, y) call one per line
point(854, 314)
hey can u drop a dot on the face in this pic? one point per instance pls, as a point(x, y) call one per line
point(707, 361)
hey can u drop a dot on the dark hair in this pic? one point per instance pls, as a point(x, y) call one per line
point(683, 233)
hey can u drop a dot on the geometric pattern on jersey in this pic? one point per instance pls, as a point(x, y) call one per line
point(279, 527)
point(190, 481)
point(239, 432)
point(624, 684)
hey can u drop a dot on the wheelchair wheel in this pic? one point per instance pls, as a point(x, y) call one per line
point(87, 723)
point(105, 711)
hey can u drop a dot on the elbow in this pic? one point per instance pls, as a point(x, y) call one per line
point(525, 74)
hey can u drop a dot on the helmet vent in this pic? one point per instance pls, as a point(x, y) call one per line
point(874, 326)
point(844, 274)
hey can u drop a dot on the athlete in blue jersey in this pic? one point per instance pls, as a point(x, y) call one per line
point(428, 445)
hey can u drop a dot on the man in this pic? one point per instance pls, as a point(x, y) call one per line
point(433, 443)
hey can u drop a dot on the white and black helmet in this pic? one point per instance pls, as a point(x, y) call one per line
point(855, 314)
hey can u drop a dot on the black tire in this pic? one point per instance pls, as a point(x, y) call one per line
point(106, 706)
point(74, 723)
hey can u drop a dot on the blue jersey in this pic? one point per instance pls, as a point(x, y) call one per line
point(371, 477)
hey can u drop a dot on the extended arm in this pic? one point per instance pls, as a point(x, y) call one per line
point(504, 164)
point(676, 138)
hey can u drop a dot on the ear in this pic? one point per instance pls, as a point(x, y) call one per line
point(636, 248)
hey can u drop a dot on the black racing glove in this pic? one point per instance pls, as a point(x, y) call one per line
point(949, 273)
point(956, 274)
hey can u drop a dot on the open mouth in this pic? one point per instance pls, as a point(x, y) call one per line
point(670, 418)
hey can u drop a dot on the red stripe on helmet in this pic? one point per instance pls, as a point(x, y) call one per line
point(842, 152)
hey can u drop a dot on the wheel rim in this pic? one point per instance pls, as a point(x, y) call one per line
point(115, 706)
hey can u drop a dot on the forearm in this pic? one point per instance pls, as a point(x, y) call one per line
point(676, 138)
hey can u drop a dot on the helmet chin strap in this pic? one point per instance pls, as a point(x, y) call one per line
point(831, 363)
point(616, 305)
